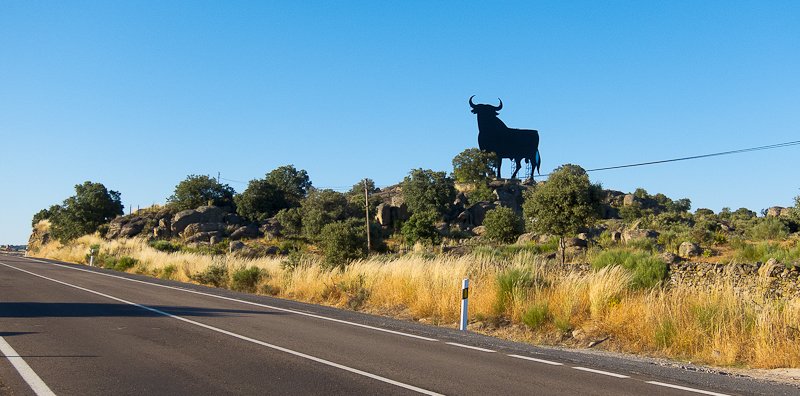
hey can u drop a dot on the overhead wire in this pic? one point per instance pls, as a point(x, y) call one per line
point(739, 151)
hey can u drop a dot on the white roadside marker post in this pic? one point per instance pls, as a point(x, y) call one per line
point(464, 299)
point(91, 257)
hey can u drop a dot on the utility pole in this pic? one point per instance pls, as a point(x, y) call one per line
point(366, 206)
point(218, 175)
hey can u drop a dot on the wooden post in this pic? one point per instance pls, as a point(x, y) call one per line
point(366, 207)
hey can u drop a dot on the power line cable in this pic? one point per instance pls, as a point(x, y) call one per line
point(739, 151)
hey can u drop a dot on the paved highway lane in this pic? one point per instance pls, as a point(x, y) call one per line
point(89, 331)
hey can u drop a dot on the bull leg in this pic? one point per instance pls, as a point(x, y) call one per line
point(516, 169)
point(498, 162)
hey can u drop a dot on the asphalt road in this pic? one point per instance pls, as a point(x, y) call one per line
point(73, 330)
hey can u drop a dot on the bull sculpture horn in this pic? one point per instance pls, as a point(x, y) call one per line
point(498, 108)
point(470, 102)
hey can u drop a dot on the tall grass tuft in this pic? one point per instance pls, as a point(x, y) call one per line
point(647, 270)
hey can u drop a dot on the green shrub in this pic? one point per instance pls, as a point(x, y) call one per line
point(291, 221)
point(216, 249)
point(512, 285)
point(165, 246)
point(763, 251)
point(481, 193)
point(421, 227)
point(503, 225)
point(643, 244)
point(648, 270)
point(215, 275)
point(125, 263)
point(168, 272)
point(342, 242)
point(427, 191)
point(323, 207)
point(245, 279)
point(536, 316)
point(769, 228)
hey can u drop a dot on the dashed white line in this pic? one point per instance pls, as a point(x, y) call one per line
point(244, 302)
point(705, 392)
point(610, 374)
point(552, 363)
point(37, 385)
point(235, 335)
point(469, 347)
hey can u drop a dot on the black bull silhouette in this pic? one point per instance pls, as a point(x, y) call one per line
point(505, 142)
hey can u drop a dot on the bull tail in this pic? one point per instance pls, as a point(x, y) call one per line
point(538, 162)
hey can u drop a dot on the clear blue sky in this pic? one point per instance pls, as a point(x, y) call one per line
point(137, 95)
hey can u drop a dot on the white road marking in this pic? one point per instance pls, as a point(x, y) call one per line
point(239, 336)
point(687, 388)
point(243, 302)
point(469, 346)
point(601, 372)
point(37, 385)
point(537, 360)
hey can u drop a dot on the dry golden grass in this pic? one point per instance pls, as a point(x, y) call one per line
point(719, 325)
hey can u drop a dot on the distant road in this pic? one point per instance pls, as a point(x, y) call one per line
point(87, 331)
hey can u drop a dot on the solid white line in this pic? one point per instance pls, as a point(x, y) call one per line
point(244, 302)
point(601, 372)
point(469, 346)
point(37, 385)
point(537, 360)
point(239, 336)
point(687, 389)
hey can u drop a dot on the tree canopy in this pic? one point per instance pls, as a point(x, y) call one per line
point(427, 191)
point(260, 200)
point(323, 207)
point(294, 183)
point(562, 205)
point(201, 190)
point(82, 213)
point(473, 166)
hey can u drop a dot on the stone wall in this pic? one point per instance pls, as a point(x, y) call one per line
point(768, 280)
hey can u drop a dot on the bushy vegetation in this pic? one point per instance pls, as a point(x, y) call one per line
point(512, 287)
point(260, 200)
point(323, 207)
point(474, 166)
point(425, 190)
point(648, 270)
point(165, 246)
point(421, 227)
point(343, 241)
point(293, 183)
point(761, 252)
point(83, 213)
point(768, 229)
point(563, 205)
point(245, 279)
point(199, 190)
point(214, 275)
point(503, 225)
